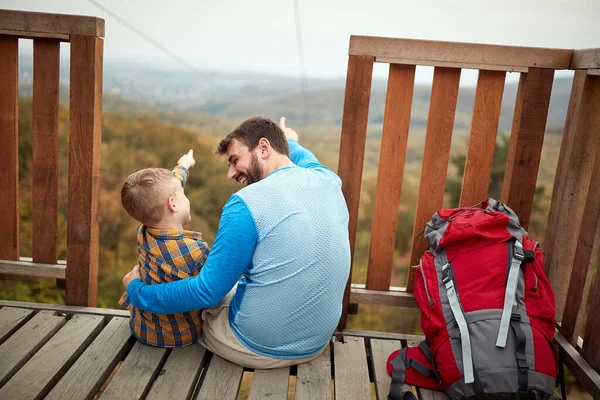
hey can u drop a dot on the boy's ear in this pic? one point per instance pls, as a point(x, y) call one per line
point(171, 204)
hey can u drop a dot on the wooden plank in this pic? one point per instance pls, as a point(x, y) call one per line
point(137, 373)
point(585, 58)
point(270, 383)
point(569, 213)
point(20, 347)
point(456, 52)
point(584, 259)
point(576, 363)
point(11, 319)
point(34, 35)
point(461, 65)
point(482, 140)
point(389, 177)
point(384, 335)
point(380, 351)
point(178, 378)
point(9, 160)
point(61, 24)
point(527, 138)
point(46, 60)
point(314, 378)
point(440, 123)
point(390, 298)
point(214, 386)
point(84, 170)
point(70, 310)
point(350, 369)
point(566, 150)
point(91, 369)
point(26, 267)
point(352, 149)
point(46, 367)
point(427, 394)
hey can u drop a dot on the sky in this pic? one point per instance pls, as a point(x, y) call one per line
point(261, 36)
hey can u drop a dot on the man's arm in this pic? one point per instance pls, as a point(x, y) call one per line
point(298, 154)
point(230, 256)
point(302, 157)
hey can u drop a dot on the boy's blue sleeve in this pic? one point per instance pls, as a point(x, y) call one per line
point(302, 157)
point(228, 259)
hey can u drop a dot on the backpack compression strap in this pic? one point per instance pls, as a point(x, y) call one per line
point(511, 290)
point(400, 364)
point(465, 339)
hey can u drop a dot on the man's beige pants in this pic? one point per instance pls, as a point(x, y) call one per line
point(218, 337)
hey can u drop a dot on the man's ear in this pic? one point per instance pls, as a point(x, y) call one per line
point(265, 147)
point(171, 204)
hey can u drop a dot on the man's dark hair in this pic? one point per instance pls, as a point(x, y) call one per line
point(252, 130)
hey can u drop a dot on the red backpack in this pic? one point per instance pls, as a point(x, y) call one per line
point(487, 309)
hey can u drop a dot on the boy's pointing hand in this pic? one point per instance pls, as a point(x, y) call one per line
point(187, 160)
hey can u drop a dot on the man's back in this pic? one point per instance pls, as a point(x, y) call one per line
point(300, 264)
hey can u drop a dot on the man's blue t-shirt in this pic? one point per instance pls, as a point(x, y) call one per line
point(287, 237)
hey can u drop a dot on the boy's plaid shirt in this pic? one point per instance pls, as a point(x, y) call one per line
point(165, 256)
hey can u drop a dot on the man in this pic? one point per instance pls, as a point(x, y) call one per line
point(286, 234)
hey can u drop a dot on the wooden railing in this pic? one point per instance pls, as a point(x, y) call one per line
point(573, 233)
point(85, 132)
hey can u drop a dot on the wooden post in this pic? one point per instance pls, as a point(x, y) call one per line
point(389, 177)
point(526, 140)
point(482, 140)
point(9, 160)
point(352, 149)
point(573, 194)
point(46, 62)
point(566, 149)
point(440, 123)
point(84, 170)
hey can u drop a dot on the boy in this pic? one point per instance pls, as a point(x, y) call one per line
point(166, 252)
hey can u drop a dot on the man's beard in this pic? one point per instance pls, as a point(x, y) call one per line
point(255, 171)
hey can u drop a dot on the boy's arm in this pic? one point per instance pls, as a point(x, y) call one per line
point(184, 164)
point(182, 174)
point(230, 256)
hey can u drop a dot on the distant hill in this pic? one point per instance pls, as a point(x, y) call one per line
point(130, 88)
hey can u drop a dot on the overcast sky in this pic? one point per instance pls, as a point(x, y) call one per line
point(260, 36)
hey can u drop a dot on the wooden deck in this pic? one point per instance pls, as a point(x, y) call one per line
point(65, 352)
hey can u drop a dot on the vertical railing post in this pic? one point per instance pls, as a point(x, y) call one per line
point(84, 170)
point(46, 63)
point(573, 185)
point(526, 141)
point(434, 170)
point(352, 150)
point(9, 160)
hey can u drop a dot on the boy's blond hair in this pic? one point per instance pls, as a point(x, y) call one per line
point(145, 193)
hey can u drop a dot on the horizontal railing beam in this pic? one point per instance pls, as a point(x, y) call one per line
point(584, 373)
point(59, 26)
point(585, 59)
point(63, 309)
point(26, 267)
point(459, 55)
point(395, 297)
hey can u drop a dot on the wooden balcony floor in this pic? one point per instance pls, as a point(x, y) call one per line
point(61, 352)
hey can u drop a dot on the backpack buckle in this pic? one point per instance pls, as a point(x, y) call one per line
point(519, 254)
